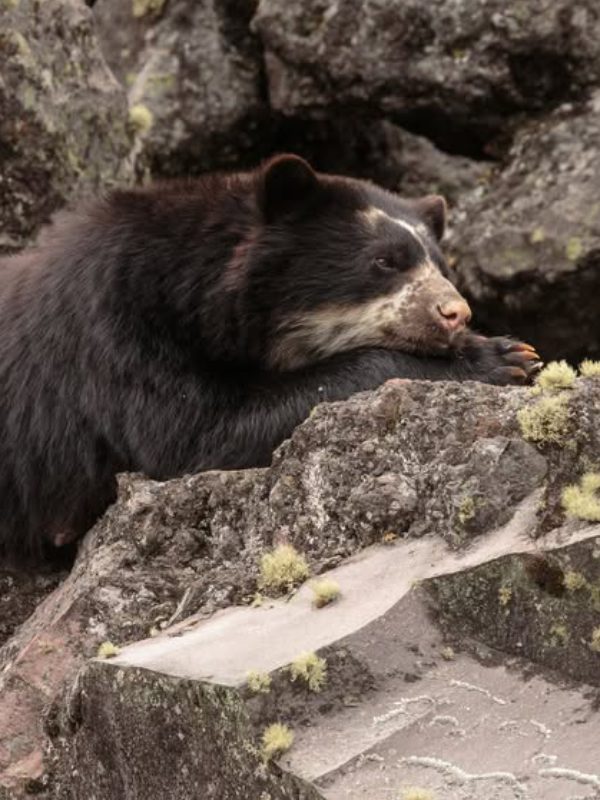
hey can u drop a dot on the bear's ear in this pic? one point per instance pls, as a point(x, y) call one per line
point(288, 187)
point(432, 210)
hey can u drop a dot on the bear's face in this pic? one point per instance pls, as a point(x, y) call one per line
point(343, 264)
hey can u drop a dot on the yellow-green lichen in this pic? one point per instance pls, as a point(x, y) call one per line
point(505, 594)
point(324, 592)
point(594, 590)
point(556, 376)
point(282, 569)
point(310, 668)
point(447, 653)
point(537, 235)
point(574, 581)
point(466, 510)
point(559, 636)
point(276, 739)
point(23, 49)
point(583, 500)
point(108, 650)
point(546, 421)
point(595, 640)
point(258, 682)
point(140, 118)
point(159, 84)
point(589, 368)
point(140, 8)
point(417, 793)
point(574, 248)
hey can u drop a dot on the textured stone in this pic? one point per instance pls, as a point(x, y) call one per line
point(195, 67)
point(390, 690)
point(457, 70)
point(424, 169)
point(544, 607)
point(527, 244)
point(412, 458)
point(20, 592)
point(62, 114)
point(136, 734)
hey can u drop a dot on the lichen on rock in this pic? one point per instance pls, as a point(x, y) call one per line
point(63, 131)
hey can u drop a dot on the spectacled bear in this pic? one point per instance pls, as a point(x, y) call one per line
point(190, 326)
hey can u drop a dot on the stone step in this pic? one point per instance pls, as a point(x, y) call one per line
point(234, 640)
point(463, 730)
point(398, 709)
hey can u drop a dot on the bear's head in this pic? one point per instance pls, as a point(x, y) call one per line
point(338, 264)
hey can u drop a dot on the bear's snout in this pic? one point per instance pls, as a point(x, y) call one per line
point(453, 315)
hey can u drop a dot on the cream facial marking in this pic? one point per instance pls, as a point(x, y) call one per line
point(389, 320)
point(373, 215)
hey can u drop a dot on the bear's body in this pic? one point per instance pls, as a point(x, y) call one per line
point(191, 326)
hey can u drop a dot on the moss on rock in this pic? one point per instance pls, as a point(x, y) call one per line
point(583, 500)
point(548, 421)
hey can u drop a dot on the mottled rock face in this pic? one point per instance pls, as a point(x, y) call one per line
point(469, 467)
point(194, 68)
point(436, 64)
point(187, 733)
point(545, 607)
point(20, 594)
point(62, 114)
point(414, 458)
point(527, 245)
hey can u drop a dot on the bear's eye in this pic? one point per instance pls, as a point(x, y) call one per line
point(383, 263)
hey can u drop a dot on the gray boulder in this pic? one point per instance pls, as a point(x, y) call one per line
point(445, 473)
point(63, 116)
point(193, 74)
point(460, 71)
point(526, 245)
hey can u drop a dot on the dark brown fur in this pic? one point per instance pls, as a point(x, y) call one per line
point(137, 337)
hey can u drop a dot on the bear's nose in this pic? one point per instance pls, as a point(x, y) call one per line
point(455, 315)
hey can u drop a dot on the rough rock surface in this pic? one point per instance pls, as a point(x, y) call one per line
point(457, 70)
point(447, 460)
point(62, 114)
point(133, 39)
point(391, 701)
point(195, 70)
point(21, 592)
point(542, 607)
point(527, 243)
point(426, 170)
point(175, 738)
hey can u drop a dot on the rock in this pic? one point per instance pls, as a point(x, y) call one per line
point(20, 592)
point(182, 740)
point(193, 72)
point(413, 458)
point(121, 29)
point(358, 714)
point(456, 71)
point(527, 244)
point(426, 170)
point(543, 608)
point(63, 116)
point(132, 35)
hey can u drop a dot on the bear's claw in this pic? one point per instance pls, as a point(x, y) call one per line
point(501, 360)
point(522, 361)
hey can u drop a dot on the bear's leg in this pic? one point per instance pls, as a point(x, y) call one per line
point(237, 422)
